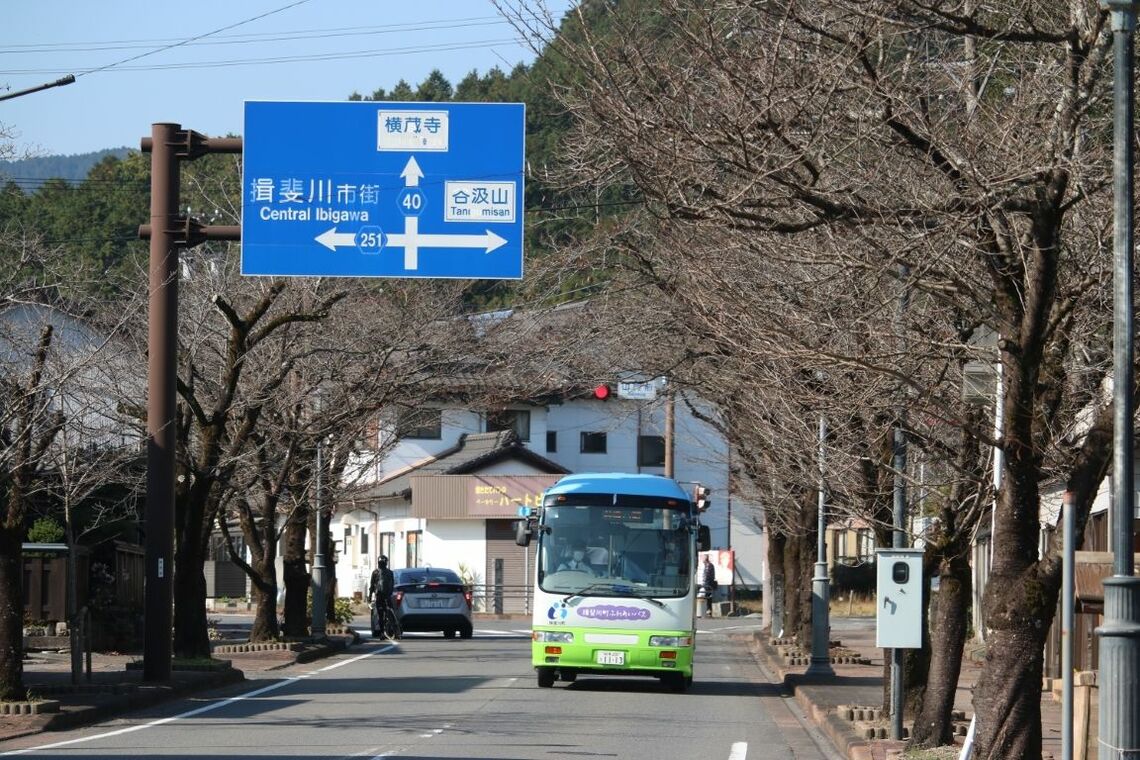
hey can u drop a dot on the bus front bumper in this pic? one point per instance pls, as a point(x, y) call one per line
point(647, 653)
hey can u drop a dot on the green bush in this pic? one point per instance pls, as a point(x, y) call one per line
point(342, 611)
point(45, 530)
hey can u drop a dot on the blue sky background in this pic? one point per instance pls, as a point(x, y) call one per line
point(306, 50)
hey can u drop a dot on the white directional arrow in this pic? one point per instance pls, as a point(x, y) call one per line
point(412, 173)
point(488, 241)
point(411, 241)
point(332, 239)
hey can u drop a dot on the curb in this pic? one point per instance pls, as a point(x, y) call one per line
point(112, 705)
point(839, 731)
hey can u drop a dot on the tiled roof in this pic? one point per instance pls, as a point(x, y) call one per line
point(472, 452)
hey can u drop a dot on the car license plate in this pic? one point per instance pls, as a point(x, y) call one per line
point(433, 603)
point(610, 658)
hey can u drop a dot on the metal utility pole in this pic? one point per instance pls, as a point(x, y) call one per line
point(820, 588)
point(57, 83)
point(670, 423)
point(168, 231)
point(320, 602)
point(1119, 665)
point(898, 537)
point(898, 541)
point(1068, 524)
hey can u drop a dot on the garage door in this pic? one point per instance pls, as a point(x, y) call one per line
point(508, 564)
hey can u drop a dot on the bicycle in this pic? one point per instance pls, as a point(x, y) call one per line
point(389, 628)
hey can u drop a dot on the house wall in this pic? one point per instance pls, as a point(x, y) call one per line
point(750, 544)
point(455, 543)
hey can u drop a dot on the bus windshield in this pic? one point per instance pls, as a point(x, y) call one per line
point(624, 550)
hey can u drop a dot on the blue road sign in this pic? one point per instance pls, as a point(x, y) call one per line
point(376, 189)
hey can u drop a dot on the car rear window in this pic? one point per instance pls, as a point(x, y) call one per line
point(414, 578)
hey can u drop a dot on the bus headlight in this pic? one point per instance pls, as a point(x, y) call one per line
point(560, 637)
point(670, 641)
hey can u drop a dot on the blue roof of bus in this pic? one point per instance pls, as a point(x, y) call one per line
point(620, 483)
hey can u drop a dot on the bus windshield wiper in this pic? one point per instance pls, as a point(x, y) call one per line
point(590, 589)
point(658, 602)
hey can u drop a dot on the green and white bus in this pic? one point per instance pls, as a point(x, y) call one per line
point(613, 584)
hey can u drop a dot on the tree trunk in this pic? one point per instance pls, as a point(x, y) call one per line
point(261, 538)
point(296, 577)
point(263, 581)
point(191, 631)
point(11, 616)
point(933, 721)
point(794, 612)
point(776, 543)
point(1008, 695)
point(805, 593)
point(799, 568)
point(264, 626)
point(916, 662)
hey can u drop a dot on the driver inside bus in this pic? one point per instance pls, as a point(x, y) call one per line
point(577, 559)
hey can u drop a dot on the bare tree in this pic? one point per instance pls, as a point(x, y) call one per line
point(807, 166)
point(225, 328)
point(61, 386)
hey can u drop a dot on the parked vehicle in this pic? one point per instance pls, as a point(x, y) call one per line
point(432, 599)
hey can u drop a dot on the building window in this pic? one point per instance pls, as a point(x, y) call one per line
point(363, 544)
point(651, 451)
point(866, 545)
point(593, 443)
point(517, 420)
point(413, 549)
point(551, 441)
point(387, 544)
point(422, 422)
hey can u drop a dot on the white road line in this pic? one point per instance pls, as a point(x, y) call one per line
point(739, 751)
point(197, 710)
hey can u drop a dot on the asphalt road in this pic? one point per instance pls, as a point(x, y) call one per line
point(430, 697)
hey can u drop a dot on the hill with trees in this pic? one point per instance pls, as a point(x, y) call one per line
point(31, 173)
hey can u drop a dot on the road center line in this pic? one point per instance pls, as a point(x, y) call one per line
point(198, 710)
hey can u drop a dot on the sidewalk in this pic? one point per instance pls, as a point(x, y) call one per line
point(847, 706)
point(116, 686)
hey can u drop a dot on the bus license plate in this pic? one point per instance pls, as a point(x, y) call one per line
point(610, 658)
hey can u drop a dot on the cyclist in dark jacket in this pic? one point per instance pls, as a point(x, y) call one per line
point(380, 591)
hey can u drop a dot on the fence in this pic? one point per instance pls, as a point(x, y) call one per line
point(502, 598)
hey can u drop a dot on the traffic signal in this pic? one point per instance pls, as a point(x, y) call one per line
point(702, 498)
point(602, 392)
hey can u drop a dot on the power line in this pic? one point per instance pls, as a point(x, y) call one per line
point(254, 37)
point(191, 39)
point(351, 55)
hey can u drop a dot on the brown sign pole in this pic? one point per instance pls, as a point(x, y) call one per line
point(168, 144)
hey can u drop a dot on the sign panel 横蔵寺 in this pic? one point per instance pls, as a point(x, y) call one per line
point(370, 189)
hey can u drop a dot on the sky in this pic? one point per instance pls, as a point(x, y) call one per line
point(233, 51)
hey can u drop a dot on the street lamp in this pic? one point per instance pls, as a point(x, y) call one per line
point(1119, 662)
point(320, 603)
point(820, 583)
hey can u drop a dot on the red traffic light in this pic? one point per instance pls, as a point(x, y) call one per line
point(602, 392)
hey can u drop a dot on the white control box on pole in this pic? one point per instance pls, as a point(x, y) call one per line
point(898, 598)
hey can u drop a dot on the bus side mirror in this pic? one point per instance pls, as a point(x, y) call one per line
point(522, 533)
point(704, 541)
